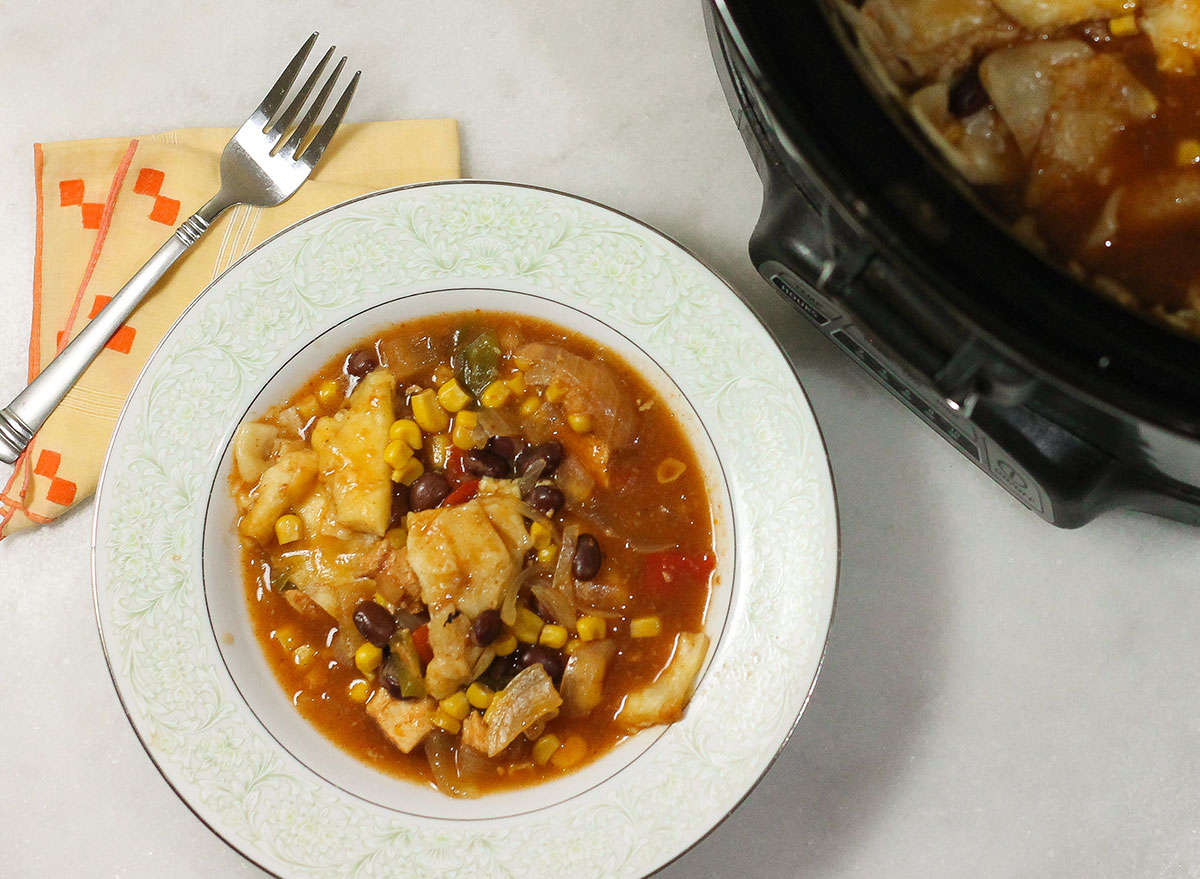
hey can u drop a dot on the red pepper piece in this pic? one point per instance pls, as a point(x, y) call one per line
point(462, 494)
point(420, 636)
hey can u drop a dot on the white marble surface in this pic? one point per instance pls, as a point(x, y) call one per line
point(1000, 698)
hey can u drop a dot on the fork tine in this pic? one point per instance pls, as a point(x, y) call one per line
point(310, 116)
point(312, 153)
point(290, 113)
point(279, 91)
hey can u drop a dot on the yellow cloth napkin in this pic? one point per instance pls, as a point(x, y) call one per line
point(103, 207)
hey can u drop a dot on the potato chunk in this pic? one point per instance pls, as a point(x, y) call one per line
point(282, 485)
point(663, 700)
point(349, 445)
point(405, 722)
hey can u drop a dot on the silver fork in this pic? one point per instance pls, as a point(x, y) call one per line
point(255, 170)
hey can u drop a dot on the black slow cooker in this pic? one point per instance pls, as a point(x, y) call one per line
point(1072, 403)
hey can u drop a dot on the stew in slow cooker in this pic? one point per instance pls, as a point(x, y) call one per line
point(477, 551)
point(1078, 120)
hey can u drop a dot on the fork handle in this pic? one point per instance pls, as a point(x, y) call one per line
point(28, 411)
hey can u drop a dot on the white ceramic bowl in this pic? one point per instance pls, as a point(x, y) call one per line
point(169, 594)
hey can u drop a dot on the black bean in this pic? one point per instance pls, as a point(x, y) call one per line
point(429, 490)
point(374, 622)
point(586, 563)
point(551, 660)
point(361, 361)
point(399, 505)
point(486, 627)
point(507, 447)
point(550, 453)
point(967, 95)
point(480, 462)
point(546, 499)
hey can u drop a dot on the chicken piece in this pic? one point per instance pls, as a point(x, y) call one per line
point(663, 701)
point(464, 557)
point(454, 655)
point(1040, 15)
point(1093, 102)
point(350, 445)
point(405, 722)
point(398, 583)
point(474, 733)
point(282, 485)
point(922, 41)
point(1174, 29)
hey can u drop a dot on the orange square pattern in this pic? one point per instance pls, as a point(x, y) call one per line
point(61, 491)
point(70, 193)
point(165, 210)
point(92, 212)
point(149, 181)
point(47, 463)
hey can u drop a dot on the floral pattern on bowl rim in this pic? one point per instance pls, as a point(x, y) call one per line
point(163, 648)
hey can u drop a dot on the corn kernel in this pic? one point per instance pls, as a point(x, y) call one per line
point(408, 474)
point(555, 391)
point(553, 636)
point(456, 705)
point(495, 395)
point(591, 628)
point(1123, 26)
point(580, 422)
point(528, 625)
point(383, 602)
point(406, 429)
point(505, 644)
point(1187, 152)
point(540, 534)
point(462, 436)
point(450, 724)
point(288, 638)
point(480, 695)
point(530, 405)
point(396, 453)
point(428, 412)
point(548, 555)
point(572, 647)
point(288, 528)
point(304, 655)
point(329, 391)
point(359, 691)
point(569, 753)
point(453, 397)
point(645, 627)
point(544, 748)
point(516, 383)
point(367, 658)
point(669, 469)
point(521, 362)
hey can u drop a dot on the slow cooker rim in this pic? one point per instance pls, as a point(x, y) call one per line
point(1149, 370)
